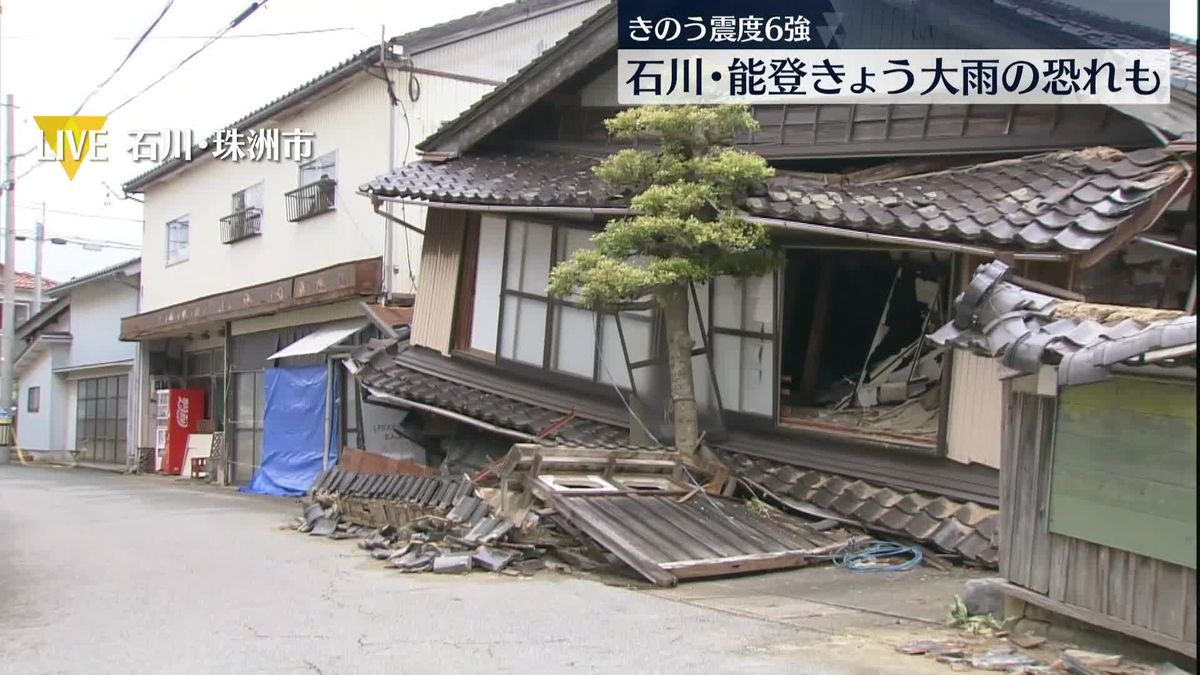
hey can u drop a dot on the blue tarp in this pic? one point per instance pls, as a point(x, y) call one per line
point(293, 431)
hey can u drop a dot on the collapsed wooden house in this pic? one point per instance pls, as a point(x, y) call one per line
point(1098, 475)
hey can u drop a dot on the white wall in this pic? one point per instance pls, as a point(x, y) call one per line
point(34, 430)
point(353, 123)
point(601, 92)
point(96, 311)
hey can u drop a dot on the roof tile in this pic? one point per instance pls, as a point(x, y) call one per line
point(1026, 202)
point(998, 318)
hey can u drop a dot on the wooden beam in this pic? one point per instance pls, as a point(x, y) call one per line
point(1101, 620)
point(816, 333)
point(331, 284)
point(753, 562)
point(1136, 224)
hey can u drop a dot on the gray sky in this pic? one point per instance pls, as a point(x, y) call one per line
point(53, 52)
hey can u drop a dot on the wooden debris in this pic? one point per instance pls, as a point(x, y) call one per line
point(1091, 663)
point(1027, 640)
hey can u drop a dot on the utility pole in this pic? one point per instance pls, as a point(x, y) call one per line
point(8, 316)
point(39, 242)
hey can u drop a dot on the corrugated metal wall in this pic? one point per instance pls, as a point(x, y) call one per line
point(433, 311)
point(1144, 597)
point(976, 410)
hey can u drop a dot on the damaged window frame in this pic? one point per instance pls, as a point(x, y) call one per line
point(717, 325)
point(937, 445)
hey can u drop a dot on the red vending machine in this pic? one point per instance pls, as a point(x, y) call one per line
point(178, 411)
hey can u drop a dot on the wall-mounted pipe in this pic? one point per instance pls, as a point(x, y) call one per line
point(375, 203)
point(900, 240)
point(1165, 245)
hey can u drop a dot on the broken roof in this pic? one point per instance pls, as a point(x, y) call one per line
point(1069, 201)
point(997, 318)
point(384, 374)
point(903, 511)
point(965, 528)
point(597, 36)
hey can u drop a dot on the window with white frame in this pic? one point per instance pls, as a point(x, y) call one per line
point(743, 343)
point(177, 240)
point(317, 192)
point(318, 169)
point(246, 219)
point(560, 334)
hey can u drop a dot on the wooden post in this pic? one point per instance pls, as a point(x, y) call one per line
point(816, 333)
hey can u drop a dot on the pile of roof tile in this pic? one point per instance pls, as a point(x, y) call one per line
point(1024, 329)
point(567, 506)
point(435, 524)
point(962, 528)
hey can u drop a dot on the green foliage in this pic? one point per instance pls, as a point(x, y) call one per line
point(757, 506)
point(636, 170)
point(975, 624)
point(682, 127)
point(729, 170)
point(684, 230)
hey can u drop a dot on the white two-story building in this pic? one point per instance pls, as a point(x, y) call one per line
point(74, 372)
point(243, 259)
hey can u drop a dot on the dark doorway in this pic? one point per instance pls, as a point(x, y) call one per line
point(835, 301)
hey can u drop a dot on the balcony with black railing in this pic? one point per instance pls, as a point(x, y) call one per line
point(241, 225)
point(311, 200)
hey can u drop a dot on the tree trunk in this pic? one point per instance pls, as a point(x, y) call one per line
point(674, 302)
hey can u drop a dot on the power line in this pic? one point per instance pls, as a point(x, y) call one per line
point(91, 244)
point(95, 90)
point(81, 214)
point(287, 33)
point(128, 55)
point(232, 24)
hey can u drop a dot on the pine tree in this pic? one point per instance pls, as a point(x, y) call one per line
point(684, 231)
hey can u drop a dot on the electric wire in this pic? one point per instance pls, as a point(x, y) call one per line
point(207, 43)
point(81, 214)
point(875, 555)
point(128, 55)
point(95, 90)
point(232, 24)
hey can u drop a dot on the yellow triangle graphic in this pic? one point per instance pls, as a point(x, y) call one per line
point(74, 128)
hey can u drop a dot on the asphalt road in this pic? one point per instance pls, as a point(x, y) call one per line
point(106, 573)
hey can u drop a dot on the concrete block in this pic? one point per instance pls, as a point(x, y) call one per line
point(984, 596)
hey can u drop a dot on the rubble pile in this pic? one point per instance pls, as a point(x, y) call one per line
point(1016, 657)
point(564, 507)
point(899, 394)
point(439, 524)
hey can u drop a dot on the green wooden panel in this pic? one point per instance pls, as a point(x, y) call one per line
point(1124, 467)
